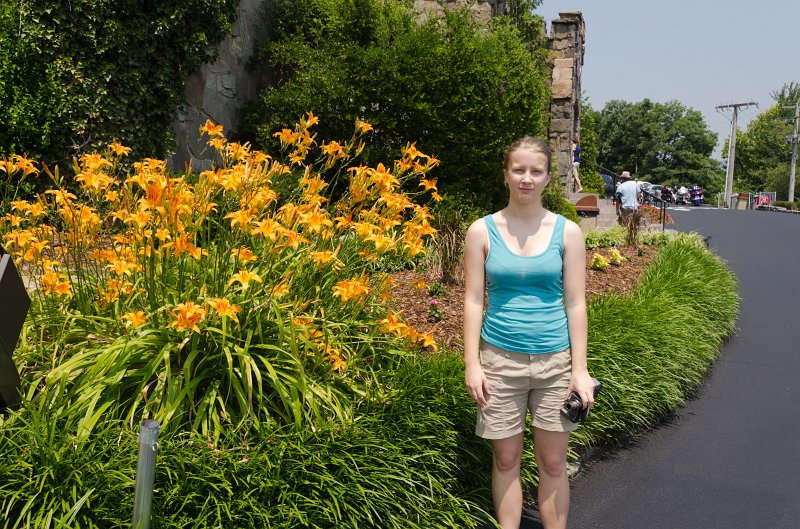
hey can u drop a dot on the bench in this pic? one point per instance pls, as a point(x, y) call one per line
point(587, 206)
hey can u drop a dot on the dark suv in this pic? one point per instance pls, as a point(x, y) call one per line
point(608, 184)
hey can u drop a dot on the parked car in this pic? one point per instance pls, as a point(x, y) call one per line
point(656, 190)
point(645, 186)
point(608, 185)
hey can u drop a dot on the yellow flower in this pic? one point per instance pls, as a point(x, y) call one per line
point(243, 217)
point(350, 289)
point(333, 355)
point(269, 229)
point(286, 136)
point(426, 340)
point(599, 262)
point(245, 255)
point(118, 149)
point(211, 129)
point(280, 290)
point(393, 323)
point(186, 316)
point(311, 121)
point(244, 278)
point(134, 319)
point(322, 258)
point(122, 267)
point(56, 283)
point(333, 149)
point(411, 151)
point(315, 220)
point(420, 284)
point(224, 308)
point(428, 184)
point(363, 126)
point(294, 239)
point(382, 242)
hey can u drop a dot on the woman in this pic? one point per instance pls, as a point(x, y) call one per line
point(576, 163)
point(529, 350)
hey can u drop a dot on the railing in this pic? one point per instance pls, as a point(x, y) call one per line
point(662, 208)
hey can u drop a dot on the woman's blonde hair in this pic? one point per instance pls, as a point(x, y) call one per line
point(530, 143)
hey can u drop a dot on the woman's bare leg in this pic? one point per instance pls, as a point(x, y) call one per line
point(506, 485)
point(551, 458)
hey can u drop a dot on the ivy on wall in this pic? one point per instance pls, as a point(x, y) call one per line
point(84, 72)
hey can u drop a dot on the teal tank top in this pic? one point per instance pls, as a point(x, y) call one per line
point(525, 311)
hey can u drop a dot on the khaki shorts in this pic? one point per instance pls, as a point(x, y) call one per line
point(520, 382)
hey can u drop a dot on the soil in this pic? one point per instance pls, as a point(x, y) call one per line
point(416, 303)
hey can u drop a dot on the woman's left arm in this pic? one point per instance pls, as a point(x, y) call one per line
point(575, 306)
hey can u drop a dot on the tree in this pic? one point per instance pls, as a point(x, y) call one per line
point(460, 91)
point(762, 152)
point(663, 143)
point(589, 171)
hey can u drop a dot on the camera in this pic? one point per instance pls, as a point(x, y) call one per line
point(573, 406)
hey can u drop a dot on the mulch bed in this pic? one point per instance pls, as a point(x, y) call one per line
point(415, 304)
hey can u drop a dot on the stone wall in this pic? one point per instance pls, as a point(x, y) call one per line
point(567, 37)
point(219, 90)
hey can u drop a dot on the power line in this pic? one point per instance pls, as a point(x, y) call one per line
point(732, 147)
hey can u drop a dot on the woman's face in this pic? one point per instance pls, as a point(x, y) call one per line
point(527, 173)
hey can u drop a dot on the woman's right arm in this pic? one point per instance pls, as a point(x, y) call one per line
point(474, 258)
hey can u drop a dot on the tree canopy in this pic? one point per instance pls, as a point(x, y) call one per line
point(762, 152)
point(461, 91)
point(658, 142)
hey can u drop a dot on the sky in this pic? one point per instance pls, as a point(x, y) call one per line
point(703, 53)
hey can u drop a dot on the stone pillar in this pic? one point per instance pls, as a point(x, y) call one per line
point(219, 90)
point(566, 43)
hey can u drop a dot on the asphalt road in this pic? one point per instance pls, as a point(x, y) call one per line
point(730, 458)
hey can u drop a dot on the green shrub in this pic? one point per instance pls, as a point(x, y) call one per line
point(461, 92)
point(647, 374)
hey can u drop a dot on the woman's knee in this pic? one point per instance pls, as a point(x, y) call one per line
point(552, 464)
point(507, 454)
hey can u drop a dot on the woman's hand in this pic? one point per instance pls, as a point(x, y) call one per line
point(477, 385)
point(582, 384)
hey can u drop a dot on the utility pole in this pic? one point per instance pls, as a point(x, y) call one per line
point(732, 148)
point(794, 140)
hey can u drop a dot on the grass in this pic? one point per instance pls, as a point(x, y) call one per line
point(406, 456)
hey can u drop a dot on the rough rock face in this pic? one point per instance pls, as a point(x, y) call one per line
point(219, 90)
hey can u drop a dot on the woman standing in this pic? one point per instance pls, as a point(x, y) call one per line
point(529, 350)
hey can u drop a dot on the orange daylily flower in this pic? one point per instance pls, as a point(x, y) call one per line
point(350, 289)
point(186, 316)
point(134, 319)
point(118, 149)
point(224, 308)
point(211, 129)
point(244, 278)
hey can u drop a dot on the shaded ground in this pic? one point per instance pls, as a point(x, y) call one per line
point(419, 306)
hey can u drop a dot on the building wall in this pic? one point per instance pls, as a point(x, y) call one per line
point(567, 38)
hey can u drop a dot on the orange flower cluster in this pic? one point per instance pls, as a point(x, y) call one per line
point(223, 238)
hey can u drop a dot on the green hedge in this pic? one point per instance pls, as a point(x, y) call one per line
point(462, 92)
point(410, 460)
point(79, 74)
